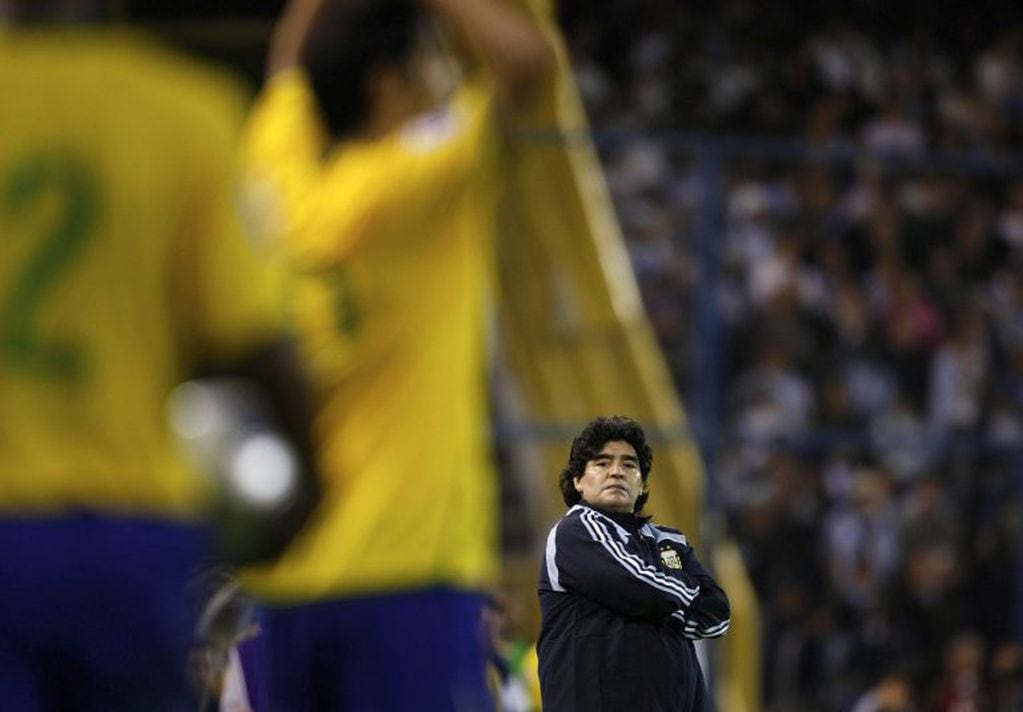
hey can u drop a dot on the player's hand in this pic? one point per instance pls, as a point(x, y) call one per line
point(289, 34)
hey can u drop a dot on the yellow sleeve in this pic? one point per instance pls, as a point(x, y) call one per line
point(282, 153)
point(317, 206)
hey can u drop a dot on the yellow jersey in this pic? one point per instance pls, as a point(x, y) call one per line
point(122, 266)
point(389, 243)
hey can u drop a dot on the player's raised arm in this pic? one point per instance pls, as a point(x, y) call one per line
point(506, 39)
point(289, 35)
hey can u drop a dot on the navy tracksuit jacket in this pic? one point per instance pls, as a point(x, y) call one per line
point(622, 600)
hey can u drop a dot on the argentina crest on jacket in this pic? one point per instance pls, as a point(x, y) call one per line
point(670, 558)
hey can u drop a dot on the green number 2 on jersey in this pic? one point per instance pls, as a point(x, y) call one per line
point(25, 188)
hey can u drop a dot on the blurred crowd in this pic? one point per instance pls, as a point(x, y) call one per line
point(869, 306)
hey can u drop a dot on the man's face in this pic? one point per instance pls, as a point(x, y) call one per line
point(612, 480)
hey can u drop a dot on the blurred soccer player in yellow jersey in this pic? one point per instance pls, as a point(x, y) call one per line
point(122, 273)
point(385, 206)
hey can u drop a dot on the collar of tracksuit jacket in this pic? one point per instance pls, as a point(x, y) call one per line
point(627, 521)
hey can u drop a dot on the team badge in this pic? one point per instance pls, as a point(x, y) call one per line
point(669, 557)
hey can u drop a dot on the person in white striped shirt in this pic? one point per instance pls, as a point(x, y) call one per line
point(622, 598)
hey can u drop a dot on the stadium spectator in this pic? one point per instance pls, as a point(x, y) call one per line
point(893, 693)
point(124, 273)
point(383, 201)
point(1007, 677)
point(963, 684)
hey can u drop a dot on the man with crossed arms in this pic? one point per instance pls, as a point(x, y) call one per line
point(622, 598)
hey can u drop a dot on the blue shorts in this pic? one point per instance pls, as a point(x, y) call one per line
point(93, 613)
point(414, 651)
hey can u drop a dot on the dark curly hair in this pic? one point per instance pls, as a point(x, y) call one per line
point(589, 443)
point(349, 40)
